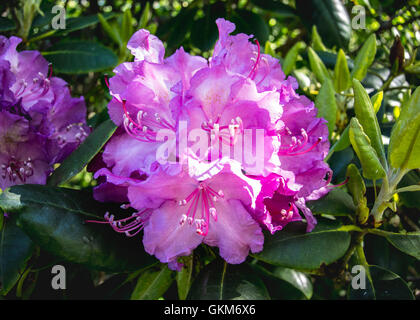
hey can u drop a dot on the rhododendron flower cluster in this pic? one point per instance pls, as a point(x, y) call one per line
point(40, 123)
point(210, 151)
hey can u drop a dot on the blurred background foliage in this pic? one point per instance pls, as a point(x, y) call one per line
point(317, 44)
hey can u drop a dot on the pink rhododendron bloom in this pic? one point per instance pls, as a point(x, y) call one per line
point(40, 123)
point(243, 151)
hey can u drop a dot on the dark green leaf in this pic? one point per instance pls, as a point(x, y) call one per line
point(15, 250)
point(6, 24)
point(204, 31)
point(184, 277)
point(175, 30)
point(276, 7)
point(386, 286)
point(306, 251)
point(409, 199)
point(75, 163)
point(222, 281)
point(330, 18)
point(250, 23)
point(153, 283)
point(54, 218)
point(80, 57)
point(336, 203)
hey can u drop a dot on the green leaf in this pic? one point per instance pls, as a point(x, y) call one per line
point(145, 17)
point(331, 19)
point(316, 42)
point(326, 105)
point(113, 33)
point(222, 281)
point(276, 7)
point(175, 31)
point(409, 199)
point(408, 243)
point(80, 57)
point(55, 219)
point(127, 25)
point(153, 283)
point(372, 168)
point(377, 101)
point(342, 79)
point(386, 286)
point(10, 202)
point(342, 143)
point(6, 24)
point(184, 277)
point(317, 66)
point(297, 279)
point(364, 58)
point(356, 184)
point(336, 203)
point(204, 32)
point(80, 157)
point(306, 251)
point(366, 115)
point(82, 22)
point(275, 277)
point(15, 250)
point(289, 63)
point(404, 145)
point(250, 23)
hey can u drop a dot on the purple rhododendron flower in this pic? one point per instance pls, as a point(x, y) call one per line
point(242, 150)
point(40, 123)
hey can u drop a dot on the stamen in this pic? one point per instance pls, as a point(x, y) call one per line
point(256, 61)
point(135, 223)
point(51, 71)
point(340, 184)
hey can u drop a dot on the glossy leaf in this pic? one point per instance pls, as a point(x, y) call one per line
point(204, 32)
point(153, 283)
point(317, 66)
point(80, 157)
point(408, 243)
point(184, 278)
point(276, 7)
point(372, 168)
point(222, 281)
point(356, 185)
point(80, 57)
point(15, 250)
point(326, 105)
point(366, 115)
point(331, 19)
point(306, 251)
point(6, 24)
point(404, 146)
point(342, 80)
point(386, 286)
point(289, 62)
point(112, 32)
point(54, 218)
point(316, 41)
point(377, 101)
point(250, 23)
point(336, 203)
point(364, 58)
